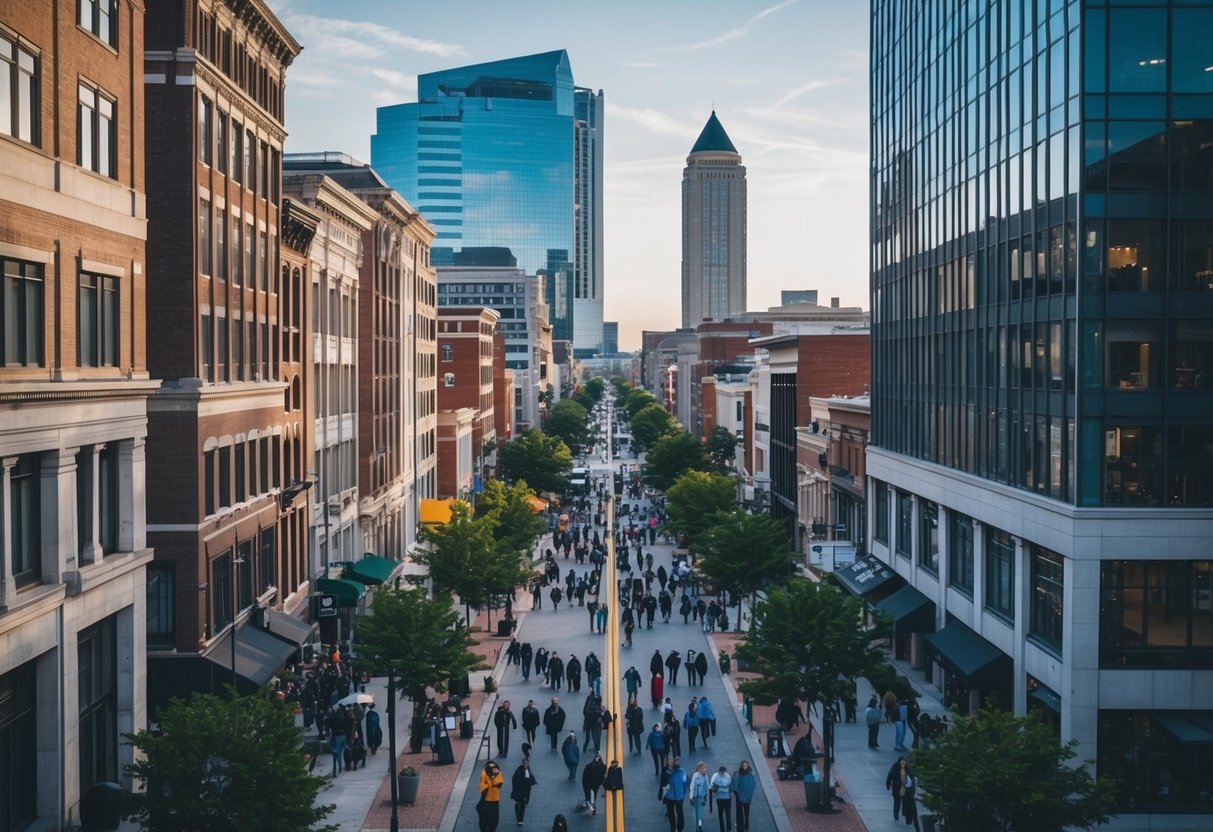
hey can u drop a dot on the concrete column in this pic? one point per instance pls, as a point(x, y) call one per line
point(59, 533)
point(132, 679)
point(8, 586)
point(90, 538)
point(50, 751)
point(132, 494)
point(1023, 621)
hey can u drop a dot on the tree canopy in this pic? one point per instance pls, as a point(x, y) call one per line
point(808, 642)
point(421, 640)
point(567, 421)
point(224, 762)
point(621, 387)
point(513, 520)
point(693, 501)
point(743, 553)
point(997, 772)
point(637, 399)
point(673, 455)
point(543, 462)
point(722, 449)
point(594, 388)
point(462, 560)
point(651, 423)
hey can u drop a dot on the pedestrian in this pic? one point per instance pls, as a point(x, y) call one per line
point(571, 754)
point(555, 595)
point(673, 733)
point(744, 786)
point(722, 791)
point(504, 720)
point(913, 712)
point(526, 654)
point(614, 778)
point(488, 809)
point(520, 789)
point(871, 715)
point(657, 748)
point(530, 721)
point(634, 717)
point(553, 721)
point(909, 803)
point(697, 793)
point(656, 690)
point(337, 738)
point(374, 733)
point(690, 721)
point(685, 608)
point(898, 779)
point(656, 663)
point(592, 723)
point(675, 795)
point(701, 665)
point(559, 824)
point(592, 778)
point(541, 663)
point(556, 670)
point(672, 663)
point(890, 707)
point(707, 719)
point(573, 673)
point(631, 681)
point(899, 726)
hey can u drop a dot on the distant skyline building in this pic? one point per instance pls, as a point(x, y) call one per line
point(610, 337)
point(787, 296)
point(713, 229)
point(508, 154)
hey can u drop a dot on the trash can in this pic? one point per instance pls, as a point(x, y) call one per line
point(504, 627)
point(813, 789)
point(930, 823)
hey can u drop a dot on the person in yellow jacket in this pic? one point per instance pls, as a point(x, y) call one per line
point(488, 809)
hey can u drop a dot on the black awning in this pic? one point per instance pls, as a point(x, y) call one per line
point(910, 610)
point(259, 655)
point(978, 664)
point(866, 575)
point(1185, 728)
point(1046, 698)
point(290, 629)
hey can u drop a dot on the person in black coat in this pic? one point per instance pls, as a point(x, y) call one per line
point(526, 654)
point(520, 789)
point(656, 664)
point(530, 721)
point(701, 665)
point(504, 721)
point(572, 672)
point(556, 671)
point(673, 662)
point(592, 778)
point(553, 721)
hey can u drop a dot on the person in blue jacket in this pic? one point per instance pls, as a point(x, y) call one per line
point(707, 719)
point(571, 753)
point(656, 744)
point(690, 721)
point(675, 795)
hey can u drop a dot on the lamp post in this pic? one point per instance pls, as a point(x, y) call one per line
point(391, 745)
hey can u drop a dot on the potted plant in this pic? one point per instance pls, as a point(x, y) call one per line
point(490, 684)
point(407, 783)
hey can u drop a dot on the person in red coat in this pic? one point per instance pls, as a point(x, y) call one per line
point(657, 690)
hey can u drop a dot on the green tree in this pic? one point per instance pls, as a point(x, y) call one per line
point(743, 553)
point(594, 388)
point(622, 387)
point(462, 560)
point(567, 421)
point(694, 501)
point(224, 762)
point(514, 522)
point(671, 456)
point(722, 449)
point(650, 424)
point(638, 398)
point(419, 639)
point(806, 642)
point(997, 772)
point(543, 462)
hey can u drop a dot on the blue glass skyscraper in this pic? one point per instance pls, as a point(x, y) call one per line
point(488, 154)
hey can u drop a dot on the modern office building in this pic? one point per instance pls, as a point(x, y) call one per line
point(1042, 327)
point(508, 154)
point(713, 229)
point(74, 388)
point(610, 337)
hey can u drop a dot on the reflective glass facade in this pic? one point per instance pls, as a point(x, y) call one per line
point(1042, 244)
point(487, 154)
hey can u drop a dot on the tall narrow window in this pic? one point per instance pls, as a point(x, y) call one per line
point(208, 482)
point(221, 369)
point(206, 339)
point(96, 135)
point(21, 304)
point(237, 260)
point(220, 142)
point(1048, 590)
point(204, 129)
point(225, 476)
point(108, 502)
point(204, 236)
point(960, 552)
point(25, 505)
point(928, 536)
point(241, 472)
point(1000, 573)
point(236, 159)
point(18, 91)
point(97, 314)
point(19, 746)
point(101, 18)
point(161, 617)
point(265, 568)
point(97, 664)
point(220, 245)
point(250, 160)
point(221, 591)
point(905, 518)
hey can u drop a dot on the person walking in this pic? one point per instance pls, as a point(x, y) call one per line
point(337, 738)
point(526, 654)
point(572, 672)
point(656, 663)
point(374, 732)
point(593, 673)
point(744, 786)
point(656, 690)
point(592, 778)
point(553, 721)
point(530, 721)
point(657, 747)
point(909, 803)
point(673, 733)
point(690, 721)
point(571, 754)
point(504, 721)
point(701, 666)
point(697, 793)
point(721, 790)
point(556, 595)
point(520, 789)
point(634, 717)
point(489, 807)
point(614, 778)
point(898, 780)
point(632, 681)
point(872, 716)
point(672, 663)
point(899, 727)
point(559, 824)
point(592, 723)
point(707, 719)
point(674, 797)
point(556, 670)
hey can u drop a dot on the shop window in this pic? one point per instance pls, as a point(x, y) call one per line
point(98, 685)
point(1156, 614)
point(1000, 573)
point(1158, 761)
point(161, 601)
point(1047, 603)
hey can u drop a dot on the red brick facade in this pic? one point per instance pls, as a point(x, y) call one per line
point(465, 370)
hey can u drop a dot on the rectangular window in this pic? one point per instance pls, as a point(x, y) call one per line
point(25, 505)
point(225, 476)
point(244, 574)
point(204, 130)
point(101, 18)
point(237, 260)
point(263, 269)
point(266, 562)
point(97, 315)
point(263, 187)
point(19, 746)
point(448, 352)
point(236, 157)
point(238, 350)
point(161, 619)
point(206, 342)
point(250, 160)
point(204, 236)
point(1156, 614)
point(905, 523)
point(241, 473)
point(960, 552)
point(1048, 583)
point(220, 246)
point(882, 513)
point(96, 137)
point(208, 483)
point(1158, 760)
point(21, 342)
point(97, 663)
point(18, 91)
point(928, 536)
point(221, 591)
point(221, 369)
point(250, 261)
point(220, 144)
point(1000, 573)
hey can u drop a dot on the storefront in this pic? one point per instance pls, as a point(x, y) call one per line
point(913, 616)
point(975, 671)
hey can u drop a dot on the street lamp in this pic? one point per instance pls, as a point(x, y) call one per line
point(394, 825)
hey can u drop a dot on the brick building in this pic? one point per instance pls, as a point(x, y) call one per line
point(465, 357)
point(74, 386)
point(503, 394)
point(228, 433)
point(456, 454)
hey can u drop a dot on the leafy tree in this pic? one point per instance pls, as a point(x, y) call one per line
point(462, 559)
point(543, 462)
point(224, 762)
point(672, 456)
point(722, 449)
point(594, 388)
point(997, 772)
point(650, 424)
point(622, 387)
point(421, 640)
point(743, 553)
point(567, 421)
point(806, 642)
point(513, 520)
point(638, 399)
point(692, 503)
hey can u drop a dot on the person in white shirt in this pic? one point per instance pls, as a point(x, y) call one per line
point(699, 793)
point(721, 789)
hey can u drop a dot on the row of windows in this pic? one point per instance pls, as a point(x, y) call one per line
point(233, 256)
point(247, 469)
point(224, 50)
point(237, 152)
point(22, 305)
point(237, 351)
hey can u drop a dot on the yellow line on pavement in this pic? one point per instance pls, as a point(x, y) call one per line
point(609, 588)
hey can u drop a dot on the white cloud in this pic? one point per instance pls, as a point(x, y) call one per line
point(738, 32)
point(808, 86)
point(655, 120)
point(326, 29)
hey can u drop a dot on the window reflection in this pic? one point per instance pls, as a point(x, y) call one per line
point(1135, 255)
point(1192, 153)
point(1137, 156)
point(1190, 465)
point(1133, 350)
point(1137, 50)
point(1192, 257)
point(1192, 346)
point(1132, 465)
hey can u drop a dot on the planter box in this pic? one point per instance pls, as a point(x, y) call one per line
point(406, 787)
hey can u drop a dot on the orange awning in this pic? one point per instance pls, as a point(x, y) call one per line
point(539, 504)
point(436, 512)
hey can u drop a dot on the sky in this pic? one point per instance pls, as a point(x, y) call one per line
point(787, 78)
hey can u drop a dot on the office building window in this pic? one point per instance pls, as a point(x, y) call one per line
point(21, 307)
point(1156, 614)
point(1159, 761)
point(220, 245)
point(1133, 465)
point(905, 524)
point(244, 573)
point(448, 352)
point(208, 483)
point(928, 536)
point(220, 143)
point(250, 160)
point(18, 91)
point(960, 552)
point(236, 158)
point(207, 348)
point(1000, 573)
point(225, 476)
point(882, 512)
point(161, 618)
point(221, 343)
point(205, 111)
point(97, 314)
point(97, 133)
point(25, 505)
point(101, 18)
point(1048, 602)
point(204, 236)
point(221, 591)
point(241, 472)
point(18, 746)
point(236, 259)
point(98, 685)
point(266, 560)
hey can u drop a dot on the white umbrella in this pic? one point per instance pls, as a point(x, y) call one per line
point(357, 699)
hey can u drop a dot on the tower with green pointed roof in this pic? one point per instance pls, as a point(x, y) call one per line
point(713, 228)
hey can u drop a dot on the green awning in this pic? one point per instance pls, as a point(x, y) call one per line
point(910, 610)
point(1183, 728)
point(348, 592)
point(373, 569)
point(979, 664)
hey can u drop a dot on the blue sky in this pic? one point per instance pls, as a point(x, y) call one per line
point(788, 79)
